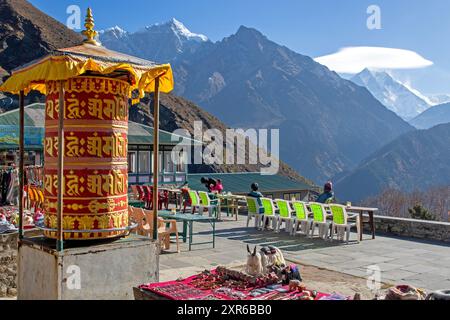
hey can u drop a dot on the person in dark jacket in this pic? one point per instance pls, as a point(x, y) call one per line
point(328, 195)
point(254, 193)
point(209, 183)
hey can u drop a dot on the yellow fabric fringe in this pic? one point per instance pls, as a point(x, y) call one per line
point(34, 76)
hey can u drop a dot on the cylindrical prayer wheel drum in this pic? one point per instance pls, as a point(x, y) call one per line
point(95, 158)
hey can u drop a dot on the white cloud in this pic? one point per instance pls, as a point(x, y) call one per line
point(355, 59)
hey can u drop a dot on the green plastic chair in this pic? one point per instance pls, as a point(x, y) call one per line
point(340, 224)
point(253, 211)
point(284, 215)
point(195, 201)
point(301, 218)
point(269, 213)
point(207, 203)
point(319, 220)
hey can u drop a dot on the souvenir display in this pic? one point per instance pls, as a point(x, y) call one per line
point(9, 219)
point(228, 284)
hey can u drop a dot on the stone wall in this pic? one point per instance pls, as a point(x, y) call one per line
point(8, 262)
point(432, 230)
point(8, 265)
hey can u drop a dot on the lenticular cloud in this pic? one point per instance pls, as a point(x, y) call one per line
point(355, 59)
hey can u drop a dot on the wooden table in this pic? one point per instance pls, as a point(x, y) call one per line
point(361, 211)
point(188, 225)
point(232, 201)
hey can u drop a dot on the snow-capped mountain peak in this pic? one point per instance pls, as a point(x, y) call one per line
point(177, 27)
point(181, 29)
point(401, 98)
point(161, 42)
point(116, 31)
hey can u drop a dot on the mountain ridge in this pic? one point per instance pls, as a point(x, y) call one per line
point(416, 160)
point(392, 93)
point(248, 80)
point(23, 27)
point(176, 112)
point(171, 38)
point(435, 115)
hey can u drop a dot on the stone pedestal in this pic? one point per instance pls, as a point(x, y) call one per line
point(86, 270)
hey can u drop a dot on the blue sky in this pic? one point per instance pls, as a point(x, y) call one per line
point(312, 27)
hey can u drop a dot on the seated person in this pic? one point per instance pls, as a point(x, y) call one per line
point(327, 196)
point(258, 195)
point(209, 183)
point(218, 188)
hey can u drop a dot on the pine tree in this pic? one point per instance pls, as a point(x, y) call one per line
point(419, 212)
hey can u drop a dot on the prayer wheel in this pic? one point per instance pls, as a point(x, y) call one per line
point(95, 176)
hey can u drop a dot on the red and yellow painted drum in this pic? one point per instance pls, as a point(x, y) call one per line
point(95, 158)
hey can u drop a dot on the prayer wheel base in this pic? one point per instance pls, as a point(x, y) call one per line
point(87, 236)
point(97, 271)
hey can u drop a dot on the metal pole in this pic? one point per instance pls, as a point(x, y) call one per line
point(60, 235)
point(21, 159)
point(155, 157)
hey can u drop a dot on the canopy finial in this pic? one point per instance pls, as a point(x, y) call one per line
point(90, 33)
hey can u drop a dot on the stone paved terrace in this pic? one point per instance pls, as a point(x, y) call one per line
point(401, 260)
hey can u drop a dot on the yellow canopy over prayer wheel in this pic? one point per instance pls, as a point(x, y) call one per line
point(94, 85)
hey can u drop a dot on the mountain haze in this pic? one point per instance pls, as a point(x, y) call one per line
point(391, 93)
point(415, 161)
point(327, 124)
point(435, 115)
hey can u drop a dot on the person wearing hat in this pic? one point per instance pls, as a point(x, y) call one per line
point(254, 193)
point(328, 195)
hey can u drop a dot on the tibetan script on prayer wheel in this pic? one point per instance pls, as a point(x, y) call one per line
point(95, 158)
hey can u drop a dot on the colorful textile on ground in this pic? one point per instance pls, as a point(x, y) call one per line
point(210, 285)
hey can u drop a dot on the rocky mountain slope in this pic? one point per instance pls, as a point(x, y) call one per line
point(177, 112)
point(27, 33)
point(391, 93)
point(25, 27)
point(416, 160)
point(435, 115)
point(327, 124)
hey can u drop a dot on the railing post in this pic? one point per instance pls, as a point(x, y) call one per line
point(155, 157)
point(21, 159)
point(60, 207)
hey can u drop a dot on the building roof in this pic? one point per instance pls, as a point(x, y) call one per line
point(138, 134)
point(240, 182)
